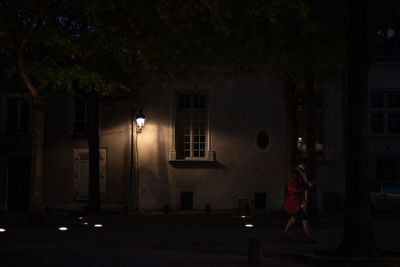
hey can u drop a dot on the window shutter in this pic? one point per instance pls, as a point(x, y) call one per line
point(81, 173)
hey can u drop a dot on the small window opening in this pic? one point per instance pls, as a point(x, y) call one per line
point(186, 200)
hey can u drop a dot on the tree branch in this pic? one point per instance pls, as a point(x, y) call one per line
point(25, 78)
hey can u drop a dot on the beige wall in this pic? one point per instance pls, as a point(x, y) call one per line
point(241, 169)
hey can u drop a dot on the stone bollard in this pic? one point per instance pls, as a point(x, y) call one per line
point(255, 253)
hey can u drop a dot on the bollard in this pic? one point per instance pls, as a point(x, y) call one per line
point(254, 255)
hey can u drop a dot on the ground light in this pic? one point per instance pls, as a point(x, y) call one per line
point(249, 225)
point(63, 228)
point(97, 225)
point(2, 230)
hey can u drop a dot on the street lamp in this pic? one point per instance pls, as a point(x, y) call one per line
point(134, 170)
point(140, 120)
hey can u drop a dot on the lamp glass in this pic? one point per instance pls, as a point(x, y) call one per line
point(140, 122)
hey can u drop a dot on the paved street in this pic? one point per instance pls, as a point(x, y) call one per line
point(176, 240)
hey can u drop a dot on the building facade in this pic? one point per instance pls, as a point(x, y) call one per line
point(218, 144)
point(384, 116)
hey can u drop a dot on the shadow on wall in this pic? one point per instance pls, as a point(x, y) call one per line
point(162, 168)
point(153, 187)
point(153, 175)
point(197, 164)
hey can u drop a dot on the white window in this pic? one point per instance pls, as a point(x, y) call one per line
point(16, 114)
point(384, 113)
point(191, 126)
point(81, 173)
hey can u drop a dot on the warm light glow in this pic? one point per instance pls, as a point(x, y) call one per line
point(140, 122)
point(98, 225)
point(85, 223)
point(80, 218)
point(249, 225)
point(2, 230)
point(243, 216)
point(63, 228)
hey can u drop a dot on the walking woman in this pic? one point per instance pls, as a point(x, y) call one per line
point(296, 201)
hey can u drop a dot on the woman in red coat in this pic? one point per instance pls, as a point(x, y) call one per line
point(296, 201)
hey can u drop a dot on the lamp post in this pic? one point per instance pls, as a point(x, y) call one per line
point(140, 120)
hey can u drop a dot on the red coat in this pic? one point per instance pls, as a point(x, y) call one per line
point(295, 195)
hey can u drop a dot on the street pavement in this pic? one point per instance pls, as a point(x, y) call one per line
point(180, 239)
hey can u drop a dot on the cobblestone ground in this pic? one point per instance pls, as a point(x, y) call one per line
point(177, 240)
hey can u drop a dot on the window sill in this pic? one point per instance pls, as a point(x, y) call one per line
point(210, 156)
point(208, 161)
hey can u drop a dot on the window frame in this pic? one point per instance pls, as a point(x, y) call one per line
point(384, 111)
point(209, 154)
point(192, 113)
point(72, 117)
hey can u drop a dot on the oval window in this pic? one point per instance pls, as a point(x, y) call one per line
point(263, 140)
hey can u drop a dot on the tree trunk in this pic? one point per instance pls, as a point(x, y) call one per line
point(35, 207)
point(94, 156)
point(291, 130)
point(310, 144)
point(358, 235)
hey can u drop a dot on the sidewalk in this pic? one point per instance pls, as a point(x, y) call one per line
point(174, 240)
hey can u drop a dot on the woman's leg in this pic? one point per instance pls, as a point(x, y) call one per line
point(306, 227)
point(310, 239)
point(289, 225)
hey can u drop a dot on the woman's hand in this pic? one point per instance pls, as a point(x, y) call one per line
point(311, 183)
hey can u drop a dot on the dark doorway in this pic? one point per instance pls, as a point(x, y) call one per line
point(186, 200)
point(260, 200)
point(18, 184)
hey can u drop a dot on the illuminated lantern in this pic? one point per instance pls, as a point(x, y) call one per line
point(140, 121)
